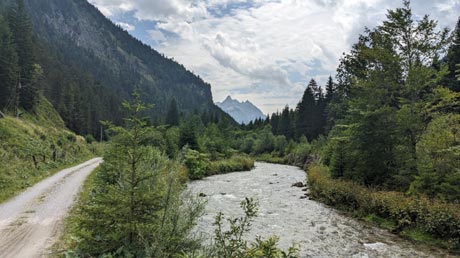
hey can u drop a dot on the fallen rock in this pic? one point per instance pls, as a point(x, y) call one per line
point(202, 195)
point(303, 197)
point(298, 184)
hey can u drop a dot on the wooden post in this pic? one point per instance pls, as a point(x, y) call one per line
point(18, 92)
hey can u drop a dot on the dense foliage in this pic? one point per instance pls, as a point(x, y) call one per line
point(387, 130)
point(392, 125)
point(401, 213)
point(309, 119)
point(136, 208)
point(19, 70)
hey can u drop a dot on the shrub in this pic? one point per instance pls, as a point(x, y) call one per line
point(433, 216)
point(233, 164)
point(90, 138)
point(136, 207)
point(231, 244)
point(196, 163)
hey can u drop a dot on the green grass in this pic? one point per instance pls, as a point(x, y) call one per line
point(379, 221)
point(269, 158)
point(34, 147)
point(428, 221)
point(234, 164)
point(421, 236)
point(71, 222)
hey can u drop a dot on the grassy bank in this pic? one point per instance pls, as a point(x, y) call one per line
point(199, 165)
point(36, 146)
point(269, 158)
point(425, 220)
point(234, 164)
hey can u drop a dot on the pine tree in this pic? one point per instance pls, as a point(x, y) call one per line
point(305, 113)
point(8, 67)
point(330, 90)
point(286, 124)
point(274, 123)
point(172, 118)
point(21, 28)
point(453, 60)
point(136, 208)
point(387, 78)
point(189, 130)
point(332, 101)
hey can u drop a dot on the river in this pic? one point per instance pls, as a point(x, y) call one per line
point(317, 229)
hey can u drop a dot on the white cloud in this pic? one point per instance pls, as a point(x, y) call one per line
point(126, 26)
point(264, 50)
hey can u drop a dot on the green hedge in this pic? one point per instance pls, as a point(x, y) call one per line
point(199, 165)
point(433, 216)
point(233, 164)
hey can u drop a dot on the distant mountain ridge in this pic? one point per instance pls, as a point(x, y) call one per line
point(91, 65)
point(242, 112)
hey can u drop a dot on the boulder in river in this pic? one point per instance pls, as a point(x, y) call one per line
point(298, 184)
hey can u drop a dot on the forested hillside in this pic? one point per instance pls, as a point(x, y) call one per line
point(89, 65)
point(380, 140)
point(392, 118)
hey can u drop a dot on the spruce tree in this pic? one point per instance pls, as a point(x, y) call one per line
point(305, 113)
point(453, 60)
point(172, 118)
point(8, 67)
point(21, 28)
point(388, 78)
point(330, 90)
point(286, 124)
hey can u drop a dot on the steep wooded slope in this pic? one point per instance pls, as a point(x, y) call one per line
point(90, 65)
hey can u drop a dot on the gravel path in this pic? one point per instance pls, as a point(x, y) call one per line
point(31, 222)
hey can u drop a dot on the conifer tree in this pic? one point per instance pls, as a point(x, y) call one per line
point(453, 60)
point(8, 67)
point(21, 28)
point(330, 90)
point(172, 118)
point(388, 77)
point(305, 112)
point(136, 207)
point(286, 123)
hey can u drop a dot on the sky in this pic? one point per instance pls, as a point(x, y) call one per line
point(264, 51)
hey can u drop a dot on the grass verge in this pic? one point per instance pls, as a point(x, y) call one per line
point(66, 240)
point(429, 221)
point(36, 146)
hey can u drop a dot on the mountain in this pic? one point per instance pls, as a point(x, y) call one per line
point(91, 65)
point(242, 112)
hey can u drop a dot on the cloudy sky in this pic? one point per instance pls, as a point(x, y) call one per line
point(264, 51)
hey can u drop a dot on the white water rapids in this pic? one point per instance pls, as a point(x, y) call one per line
point(319, 231)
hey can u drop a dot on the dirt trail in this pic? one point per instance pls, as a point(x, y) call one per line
point(31, 222)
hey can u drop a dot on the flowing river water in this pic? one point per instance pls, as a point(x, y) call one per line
point(318, 230)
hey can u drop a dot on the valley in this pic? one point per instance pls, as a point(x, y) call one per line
point(112, 143)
